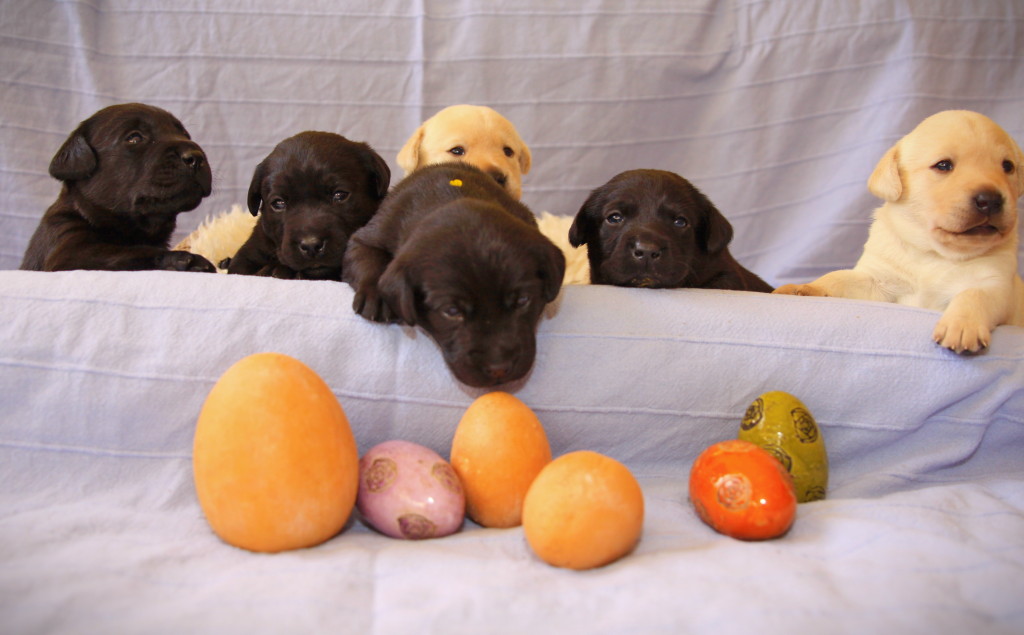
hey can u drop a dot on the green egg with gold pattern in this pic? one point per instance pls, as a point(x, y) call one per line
point(781, 424)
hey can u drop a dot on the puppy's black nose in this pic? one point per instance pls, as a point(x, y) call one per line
point(312, 246)
point(644, 250)
point(193, 158)
point(988, 202)
point(500, 177)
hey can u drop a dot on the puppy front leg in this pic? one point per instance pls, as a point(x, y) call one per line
point(363, 266)
point(255, 257)
point(279, 271)
point(966, 324)
point(119, 258)
point(845, 283)
point(184, 261)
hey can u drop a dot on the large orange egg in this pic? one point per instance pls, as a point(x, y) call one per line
point(583, 510)
point(275, 463)
point(498, 449)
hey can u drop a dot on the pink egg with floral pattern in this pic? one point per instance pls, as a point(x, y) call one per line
point(408, 491)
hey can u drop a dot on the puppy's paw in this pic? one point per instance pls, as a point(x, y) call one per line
point(282, 272)
point(275, 270)
point(368, 303)
point(961, 336)
point(184, 261)
point(800, 289)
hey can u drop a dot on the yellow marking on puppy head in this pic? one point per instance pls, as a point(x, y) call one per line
point(455, 182)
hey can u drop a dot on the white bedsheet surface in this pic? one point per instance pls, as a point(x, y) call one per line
point(777, 109)
point(102, 376)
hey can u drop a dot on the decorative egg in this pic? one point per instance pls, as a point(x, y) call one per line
point(781, 424)
point(274, 459)
point(498, 448)
point(407, 490)
point(742, 491)
point(583, 510)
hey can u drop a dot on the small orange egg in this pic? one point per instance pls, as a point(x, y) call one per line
point(741, 490)
point(498, 448)
point(275, 463)
point(584, 510)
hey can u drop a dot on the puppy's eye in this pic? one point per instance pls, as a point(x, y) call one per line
point(278, 205)
point(681, 222)
point(509, 152)
point(521, 300)
point(457, 151)
point(944, 165)
point(614, 218)
point(452, 312)
point(134, 138)
point(340, 196)
point(1009, 167)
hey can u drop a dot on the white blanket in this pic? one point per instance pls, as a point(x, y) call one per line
point(102, 376)
point(778, 110)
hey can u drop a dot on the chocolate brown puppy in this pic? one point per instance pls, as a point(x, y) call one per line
point(452, 252)
point(314, 189)
point(652, 228)
point(128, 171)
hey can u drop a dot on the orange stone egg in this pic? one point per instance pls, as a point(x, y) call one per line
point(275, 463)
point(584, 510)
point(498, 448)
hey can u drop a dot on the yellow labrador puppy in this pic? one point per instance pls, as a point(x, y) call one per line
point(481, 136)
point(475, 134)
point(946, 237)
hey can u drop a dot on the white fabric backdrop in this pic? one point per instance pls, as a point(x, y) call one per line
point(777, 110)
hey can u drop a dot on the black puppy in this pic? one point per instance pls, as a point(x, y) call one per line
point(315, 189)
point(651, 228)
point(451, 251)
point(128, 171)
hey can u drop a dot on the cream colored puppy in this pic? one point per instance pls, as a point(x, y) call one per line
point(946, 237)
point(481, 136)
point(475, 134)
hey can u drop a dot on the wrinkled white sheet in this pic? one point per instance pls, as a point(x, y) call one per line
point(102, 376)
point(777, 110)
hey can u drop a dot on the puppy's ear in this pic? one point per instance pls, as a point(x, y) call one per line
point(525, 159)
point(256, 189)
point(75, 160)
point(584, 226)
point(885, 182)
point(1019, 169)
point(715, 233)
point(552, 270)
point(380, 173)
point(397, 289)
point(409, 155)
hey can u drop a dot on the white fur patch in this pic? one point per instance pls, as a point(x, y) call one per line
point(220, 236)
point(556, 229)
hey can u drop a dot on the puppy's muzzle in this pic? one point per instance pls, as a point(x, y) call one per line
point(988, 202)
point(496, 366)
point(312, 246)
point(498, 176)
point(186, 159)
point(645, 251)
point(193, 158)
